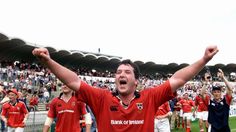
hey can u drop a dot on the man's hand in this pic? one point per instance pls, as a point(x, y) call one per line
point(24, 121)
point(5, 120)
point(220, 73)
point(207, 78)
point(210, 52)
point(42, 54)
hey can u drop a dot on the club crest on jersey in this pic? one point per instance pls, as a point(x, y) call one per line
point(139, 106)
point(114, 108)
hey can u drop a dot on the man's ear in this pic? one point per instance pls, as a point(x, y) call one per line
point(136, 82)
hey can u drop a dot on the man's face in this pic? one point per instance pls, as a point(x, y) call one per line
point(208, 77)
point(12, 96)
point(125, 80)
point(65, 89)
point(216, 94)
point(185, 96)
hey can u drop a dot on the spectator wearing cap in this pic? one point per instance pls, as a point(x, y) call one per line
point(14, 113)
point(218, 106)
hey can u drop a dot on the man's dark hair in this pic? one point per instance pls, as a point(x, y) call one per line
point(136, 68)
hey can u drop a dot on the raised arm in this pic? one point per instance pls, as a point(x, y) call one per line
point(229, 89)
point(67, 76)
point(207, 82)
point(185, 74)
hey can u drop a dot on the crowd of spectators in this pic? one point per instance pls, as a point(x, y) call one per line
point(34, 81)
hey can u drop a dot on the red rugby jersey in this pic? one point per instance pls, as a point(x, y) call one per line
point(15, 114)
point(202, 103)
point(111, 116)
point(67, 114)
point(163, 109)
point(187, 105)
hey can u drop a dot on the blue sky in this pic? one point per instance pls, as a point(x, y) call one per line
point(159, 31)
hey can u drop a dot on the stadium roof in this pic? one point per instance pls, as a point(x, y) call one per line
point(15, 49)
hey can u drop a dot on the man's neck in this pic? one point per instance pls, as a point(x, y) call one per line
point(13, 102)
point(66, 96)
point(218, 100)
point(126, 99)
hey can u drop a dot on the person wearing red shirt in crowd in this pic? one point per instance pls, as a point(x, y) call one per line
point(67, 111)
point(187, 105)
point(33, 102)
point(162, 123)
point(125, 109)
point(14, 113)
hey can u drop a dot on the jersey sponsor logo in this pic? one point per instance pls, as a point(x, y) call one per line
point(114, 108)
point(14, 112)
point(65, 111)
point(139, 106)
point(127, 122)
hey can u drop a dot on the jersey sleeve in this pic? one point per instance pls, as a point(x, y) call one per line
point(24, 109)
point(82, 108)
point(4, 109)
point(228, 99)
point(91, 96)
point(52, 109)
point(168, 106)
point(162, 93)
